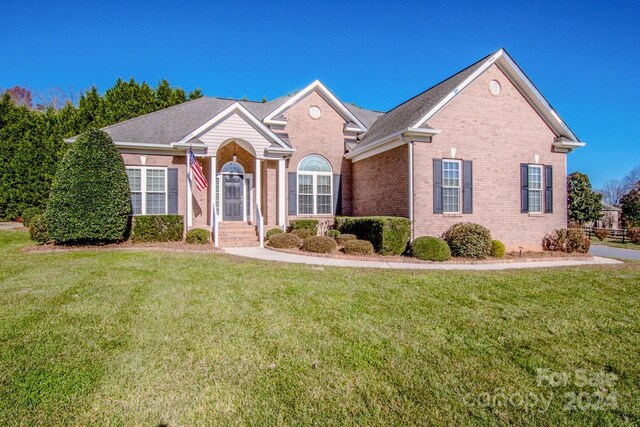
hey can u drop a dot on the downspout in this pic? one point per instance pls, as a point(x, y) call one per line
point(410, 168)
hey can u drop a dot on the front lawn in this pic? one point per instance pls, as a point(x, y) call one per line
point(150, 338)
point(614, 243)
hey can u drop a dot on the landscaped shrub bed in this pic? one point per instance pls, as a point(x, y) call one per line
point(344, 238)
point(157, 228)
point(497, 249)
point(332, 233)
point(273, 232)
point(28, 214)
point(306, 224)
point(430, 248)
point(468, 240)
point(38, 231)
point(357, 247)
point(198, 236)
point(284, 241)
point(319, 244)
point(388, 234)
point(567, 240)
point(303, 233)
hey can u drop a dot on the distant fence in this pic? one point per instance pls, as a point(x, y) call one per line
point(618, 234)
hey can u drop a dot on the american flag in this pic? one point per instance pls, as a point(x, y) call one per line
point(196, 172)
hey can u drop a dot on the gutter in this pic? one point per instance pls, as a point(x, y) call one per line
point(400, 134)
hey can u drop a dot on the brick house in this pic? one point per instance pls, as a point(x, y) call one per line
point(482, 146)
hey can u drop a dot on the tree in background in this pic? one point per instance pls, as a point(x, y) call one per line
point(31, 137)
point(630, 204)
point(90, 200)
point(612, 192)
point(584, 205)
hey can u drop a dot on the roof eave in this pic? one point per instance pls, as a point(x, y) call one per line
point(360, 153)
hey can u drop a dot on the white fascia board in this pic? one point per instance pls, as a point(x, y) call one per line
point(459, 88)
point(387, 143)
point(316, 85)
point(236, 107)
point(280, 150)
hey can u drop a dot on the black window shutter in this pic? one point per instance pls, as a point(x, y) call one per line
point(437, 186)
point(467, 190)
point(172, 191)
point(548, 193)
point(524, 188)
point(293, 193)
point(337, 194)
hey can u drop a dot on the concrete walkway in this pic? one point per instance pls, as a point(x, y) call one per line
point(269, 255)
point(607, 251)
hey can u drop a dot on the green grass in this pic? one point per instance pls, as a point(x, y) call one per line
point(614, 243)
point(146, 338)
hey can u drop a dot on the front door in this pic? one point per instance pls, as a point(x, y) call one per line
point(232, 201)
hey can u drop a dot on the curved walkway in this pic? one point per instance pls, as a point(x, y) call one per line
point(268, 255)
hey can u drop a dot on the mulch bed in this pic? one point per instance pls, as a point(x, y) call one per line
point(128, 246)
point(528, 256)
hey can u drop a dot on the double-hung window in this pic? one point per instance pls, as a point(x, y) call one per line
point(148, 188)
point(314, 186)
point(535, 188)
point(451, 186)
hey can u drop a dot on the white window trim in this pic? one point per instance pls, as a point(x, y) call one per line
point(529, 190)
point(143, 188)
point(314, 181)
point(459, 187)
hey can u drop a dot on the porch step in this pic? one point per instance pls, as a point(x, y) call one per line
point(237, 234)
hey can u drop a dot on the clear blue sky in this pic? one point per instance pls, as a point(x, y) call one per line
point(584, 56)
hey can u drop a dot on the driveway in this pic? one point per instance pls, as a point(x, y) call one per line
point(606, 251)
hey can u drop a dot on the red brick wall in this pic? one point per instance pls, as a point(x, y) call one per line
point(497, 133)
point(380, 184)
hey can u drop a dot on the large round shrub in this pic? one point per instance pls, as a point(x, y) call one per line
point(284, 241)
point(344, 238)
point(319, 244)
point(90, 200)
point(430, 248)
point(468, 240)
point(303, 233)
point(497, 249)
point(332, 233)
point(357, 247)
point(28, 214)
point(38, 229)
point(198, 235)
point(272, 232)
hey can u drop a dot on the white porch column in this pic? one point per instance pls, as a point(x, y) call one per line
point(281, 178)
point(213, 185)
point(189, 194)
point(258, 184)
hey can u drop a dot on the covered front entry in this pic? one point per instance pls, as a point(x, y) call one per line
point(236, 192)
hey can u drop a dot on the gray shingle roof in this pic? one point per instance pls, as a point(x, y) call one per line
point(409, 112)
point(367, 117)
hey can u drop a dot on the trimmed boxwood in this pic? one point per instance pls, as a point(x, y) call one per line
point(388, 234)
point(306, 224)
point(28, 214)
point(90, 200)
point(357, 247)
point(198, 235)
point(497, 249)
point(319, 244)
point(157, 228)
point(303, 233)
point(332, 233)
point(38, 229)
point(285, 241)
point(344, 238)
point(468, 240)
point(272, 232)
point(430, 248)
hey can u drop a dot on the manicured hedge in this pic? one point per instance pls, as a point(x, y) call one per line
point(344, 238)
point(497, 249)
point(285, 241)
point(90, 201)
point(430, 248)
point(319, 244)
point(38, 229)
point(307, 224)
point(332, 233)
point(468, 240)
point(303, 233)
point(388, 234)
point(157, 228)
point(28, 214)
point(357, 247)
point(272, 232)
point(199, 236)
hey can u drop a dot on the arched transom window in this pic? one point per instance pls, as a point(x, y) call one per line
point(233, 167)
point(314, 186)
